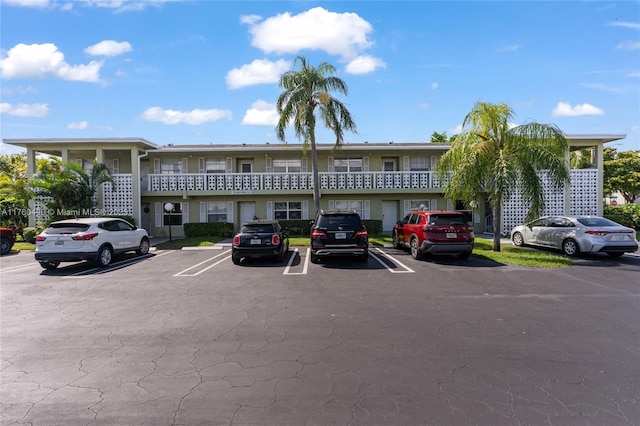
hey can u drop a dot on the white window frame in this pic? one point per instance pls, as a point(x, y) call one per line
point(288, 210)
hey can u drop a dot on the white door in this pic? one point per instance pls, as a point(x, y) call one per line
point(247, 211)
point(389, 215)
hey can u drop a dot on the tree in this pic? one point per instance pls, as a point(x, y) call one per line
point(306, 91)
point(489, 159)
point(14, 190)
point(622, 173)
point(69, 185)
point(439, 137)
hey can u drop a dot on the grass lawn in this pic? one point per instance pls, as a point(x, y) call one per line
point(509, 254)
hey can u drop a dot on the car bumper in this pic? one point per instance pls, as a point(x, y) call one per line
point(339, 251)
point(429, 247)
point(65, 256)
point(255, 252)
point(614, 248)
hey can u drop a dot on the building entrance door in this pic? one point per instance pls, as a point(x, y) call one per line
point(389, 215)
point(247, 211)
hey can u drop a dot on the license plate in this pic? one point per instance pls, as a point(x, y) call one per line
point(256, 242)
point(618, 237)
point(452, 235)
point(58, 243)
point(341, 235)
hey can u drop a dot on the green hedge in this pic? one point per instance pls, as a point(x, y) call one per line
point(29, 234)
point(216, 229)
point(627, 215)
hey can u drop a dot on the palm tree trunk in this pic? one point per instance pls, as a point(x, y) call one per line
point(497, 223)
point(316, 175)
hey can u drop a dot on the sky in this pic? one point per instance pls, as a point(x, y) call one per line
point(206, 72)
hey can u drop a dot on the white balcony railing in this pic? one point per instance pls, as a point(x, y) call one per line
point(291, 181)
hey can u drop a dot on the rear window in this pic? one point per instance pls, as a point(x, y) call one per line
point(596, 221)
point(257, 229)
point(66, 228)
point(349, 221)
point(447, 219)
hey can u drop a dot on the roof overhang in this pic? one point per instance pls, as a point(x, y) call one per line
point(52, 145)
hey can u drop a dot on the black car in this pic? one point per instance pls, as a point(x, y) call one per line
point(339, 233)
point(260, 238)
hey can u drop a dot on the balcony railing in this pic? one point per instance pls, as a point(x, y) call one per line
point(237, 182)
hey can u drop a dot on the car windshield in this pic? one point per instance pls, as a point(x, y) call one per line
point(66, 228)
point(257, 228)
point(596, 221)
point(447, 220)
point(342, 222)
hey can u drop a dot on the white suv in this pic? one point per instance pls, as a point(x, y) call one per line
point(95, 239)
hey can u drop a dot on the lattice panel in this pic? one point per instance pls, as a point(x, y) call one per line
point(118, 200)
point(42, 213)
point(582, 195)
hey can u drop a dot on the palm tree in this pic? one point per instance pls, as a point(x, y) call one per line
point(490, 158)
point(305, 90)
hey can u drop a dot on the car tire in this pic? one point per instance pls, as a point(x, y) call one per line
point(236, 259)
point(5, 246)
point(517, 239)
point(144, 247)
point(396, 242)
point(314, 258)
point(365, 256)
point(280, 257)
point(49, 265)
point(570, 247)
point(415, 249)
point(105, 254)
point(464, 256)
point(615, 254)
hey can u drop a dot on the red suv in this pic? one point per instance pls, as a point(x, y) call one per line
point(434, 232)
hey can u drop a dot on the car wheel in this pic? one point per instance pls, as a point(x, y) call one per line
point(314, 258)
point(464, 256)
point(280, 257)
point(144, 247)
point(570, 247)
point(518, 239)
point(104, 256)
point(236, 259)
point(415, 249)
point(615, 254)
point(5, 246)
point(49, 265)
point(365, 257)
point(396, 242)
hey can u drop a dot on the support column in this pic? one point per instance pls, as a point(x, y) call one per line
point(31, 170)
point(599, 148)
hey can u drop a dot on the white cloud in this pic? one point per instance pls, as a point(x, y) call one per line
point(79, 125)
point(45, 60)
point(193, 117)
point(261, 113)
point(38, 4)
point(632, 25)
point(456, 130)
point(109, 48)
point(434, 85)
point(364, 64)
point(628, 45)
point(260, 71)
point(250, 19)
point(509, 48)
point(19, 90)
point(25, 110)
point(563, 109)
point(343, 34)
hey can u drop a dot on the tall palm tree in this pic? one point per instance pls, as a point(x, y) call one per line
point(490, 158)
point(305, 90)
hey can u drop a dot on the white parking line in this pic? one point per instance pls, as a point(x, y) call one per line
point(18, 267)
point(185, 274)
point(111, 267)
point(304, 268)
point(396, 261)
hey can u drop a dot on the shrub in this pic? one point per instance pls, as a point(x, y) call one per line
point(216, 229)
point(29, 234)
point(627, 215)
point(374, 227)
point(297, 227)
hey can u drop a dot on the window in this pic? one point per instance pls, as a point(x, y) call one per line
point(216, 211)
point(287, 210)
point(349, 205)
point(216, 166)
point(170, 167)
point(419, 164)
point(174, 217)
point(287, 166)
point(343, 165)
point(420, 205)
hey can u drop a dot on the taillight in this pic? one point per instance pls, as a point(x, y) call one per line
point(275, 240)
point(362, 233)
point(318, 234)
point(85, 237)
point(597, 232)
point(40, 238)
point(236, 240)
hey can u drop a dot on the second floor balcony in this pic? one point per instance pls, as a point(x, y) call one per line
point(278, 182)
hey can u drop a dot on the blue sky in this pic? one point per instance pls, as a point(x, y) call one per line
point(206, 72)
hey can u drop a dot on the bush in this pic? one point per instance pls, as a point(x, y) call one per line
point(627, 215)
point(29, 234)
point(374, 227)
point(216, 229)
point(297, 227)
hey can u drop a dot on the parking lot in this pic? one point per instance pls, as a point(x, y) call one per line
point(187, 338)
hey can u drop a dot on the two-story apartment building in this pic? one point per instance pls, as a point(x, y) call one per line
point(234, 183)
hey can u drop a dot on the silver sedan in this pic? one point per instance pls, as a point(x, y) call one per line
point(577, 234)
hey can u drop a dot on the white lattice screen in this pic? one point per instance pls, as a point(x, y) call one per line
point(583, 199)
point(118, 200)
